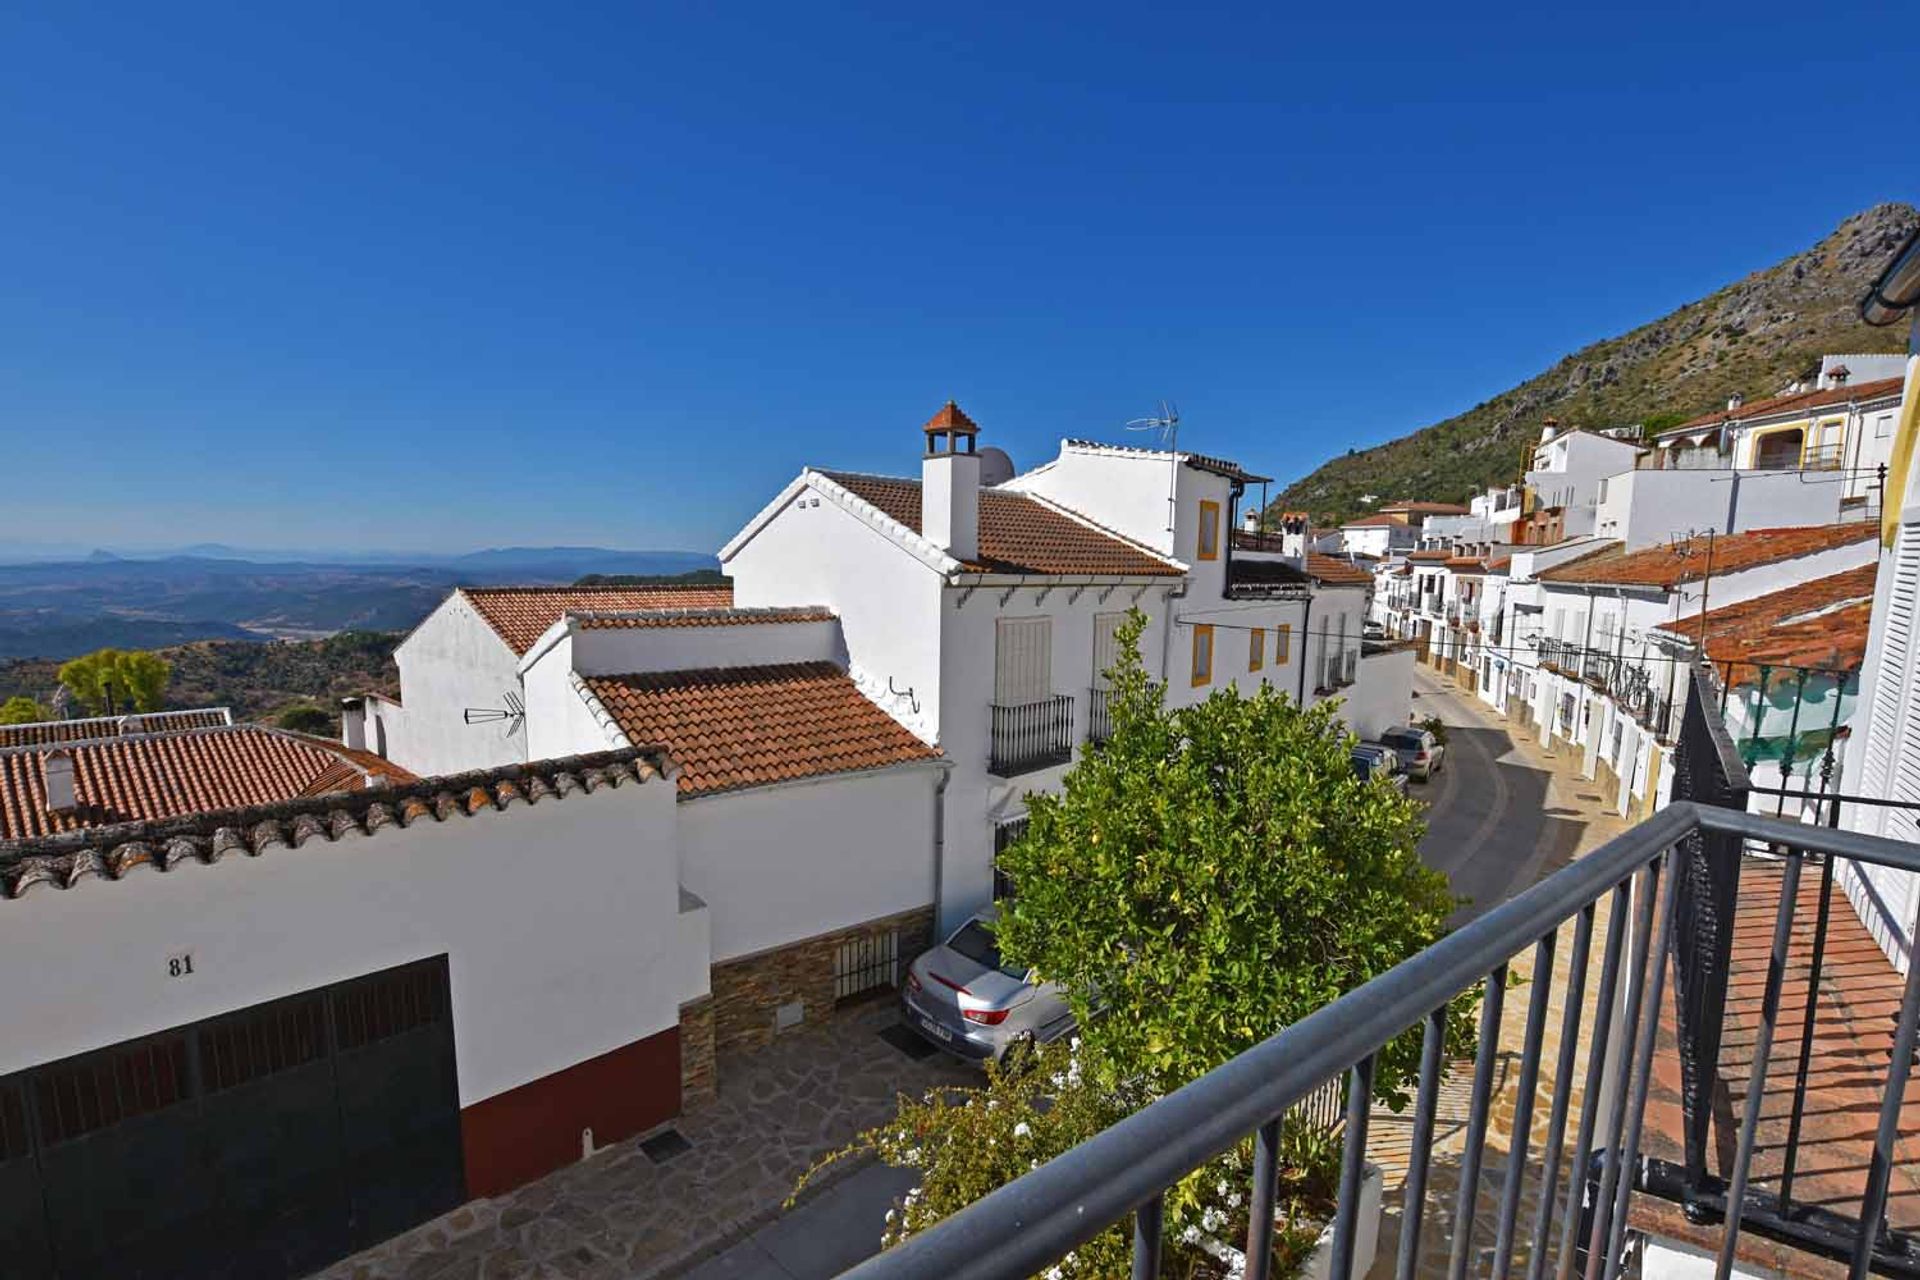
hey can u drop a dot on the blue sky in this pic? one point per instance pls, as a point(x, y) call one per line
point(385, 276)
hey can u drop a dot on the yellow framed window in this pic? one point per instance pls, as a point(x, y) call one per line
point(1282, 644)
point(1202, 655)
point(1209, 542)
point(1257, 649)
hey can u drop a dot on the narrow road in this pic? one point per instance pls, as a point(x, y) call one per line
point(1501, 813)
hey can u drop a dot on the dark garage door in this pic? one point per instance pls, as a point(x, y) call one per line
point(258, 1144)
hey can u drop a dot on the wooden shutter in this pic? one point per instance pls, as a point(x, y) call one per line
point(1106, 647)
point(1892, 738)
point(1023, 661)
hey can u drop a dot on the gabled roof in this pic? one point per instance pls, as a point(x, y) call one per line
point(109, 853)
point(1471, 565)
point(1427, 508)
point(1019, 534)
point(1436, 556)
point(521, 615)
point(1798, 402)
point(1198, 461)
point(50, 732)
point(1375, 522)
point(1663, 566)
point(735, 727)
point(1335, 572)
point(646, 619)
point(171, 775)
point(1822, 623)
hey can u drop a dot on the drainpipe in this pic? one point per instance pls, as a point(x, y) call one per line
point(1166, 630)
point(1306, 638)
point(1237, 488)
point(940, 849)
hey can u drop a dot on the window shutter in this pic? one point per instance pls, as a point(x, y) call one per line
point(1023, 661)
point(1892, 739)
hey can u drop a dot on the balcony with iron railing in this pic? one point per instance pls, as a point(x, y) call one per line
point(1099, 715)
point(1031, 735)
point(1663, 1059)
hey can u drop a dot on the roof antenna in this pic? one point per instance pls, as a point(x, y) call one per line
point(1168, 425)
point(513, 713)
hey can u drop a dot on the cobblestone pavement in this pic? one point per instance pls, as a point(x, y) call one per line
point(1528, 850)
point(619, 1216)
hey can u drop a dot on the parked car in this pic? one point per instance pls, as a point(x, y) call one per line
point(1373, 760)
point(963, 999)
point(1421, 754)
point(1372, 631)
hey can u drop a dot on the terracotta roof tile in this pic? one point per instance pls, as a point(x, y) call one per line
point(1375, 522)
point(1822, 623)
point(736, 727)
point(521, 615)
point(1660, 566)
point(1018, 534)
point(171, 775)
point(724, 617)
point(1337, 572)
point(49, 732)
point(1430, 557)
point(1799, 402)
point(1466, 564)
point(1427, 508)
point(66, 859)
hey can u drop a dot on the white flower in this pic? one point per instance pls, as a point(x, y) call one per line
point(1233, 1200)
point(890, 1215)
point(1223, 1186)
point(1190, 1236)
point(1022, 1131)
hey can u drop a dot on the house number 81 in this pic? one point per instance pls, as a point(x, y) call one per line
point(180, 966)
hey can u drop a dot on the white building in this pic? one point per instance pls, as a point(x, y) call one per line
point(298, 954)
point(1563, 484)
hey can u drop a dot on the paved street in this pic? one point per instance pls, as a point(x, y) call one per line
point(1502, 813)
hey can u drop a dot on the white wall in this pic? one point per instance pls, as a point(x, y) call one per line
point(1382, 695)
point(451, 662)
point(775, 864)
point(1642, 508)
point(614, 651)
point(812, 552)
point(559, 920)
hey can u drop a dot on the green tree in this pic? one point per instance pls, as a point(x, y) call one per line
point(304, 717)
point(22, 710)
point(118, 680)
point(1214, 873)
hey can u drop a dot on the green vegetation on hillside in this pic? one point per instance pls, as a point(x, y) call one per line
point(259, 681)
point(691, 578)
point(1753, 337)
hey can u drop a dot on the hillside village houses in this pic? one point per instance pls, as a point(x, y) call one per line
point(604, 838)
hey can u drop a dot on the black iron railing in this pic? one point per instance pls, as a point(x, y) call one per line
point(1099, 715)
point(1579, 1222)
point(1005, 832)
point(1031, 735)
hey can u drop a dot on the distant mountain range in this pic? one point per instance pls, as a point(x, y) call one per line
point(1753, 336)
point(58, 608)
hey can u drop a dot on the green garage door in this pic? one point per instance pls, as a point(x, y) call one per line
point(262, 1143)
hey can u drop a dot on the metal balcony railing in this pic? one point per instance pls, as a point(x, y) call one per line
point(1652, 893)
point(1099, 715)
point(1032, 735)
point(1252, 540)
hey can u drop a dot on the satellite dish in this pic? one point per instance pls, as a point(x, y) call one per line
point(995, 466)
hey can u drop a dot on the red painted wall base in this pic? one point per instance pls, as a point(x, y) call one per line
point(517, 1136)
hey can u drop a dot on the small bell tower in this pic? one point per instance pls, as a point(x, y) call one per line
point(950, 484)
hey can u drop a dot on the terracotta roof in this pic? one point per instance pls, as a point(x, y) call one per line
point(1428, 508)
point(1659, 566)
point(1198, 461)
point(49, 732)
point(521, 615)
point(737, 727)
point(110, 853)
point(724, 617)
point(1798, 402)
point(1430, 557)
point(1374, 522)
point(951, 417)
point(1466, 564)
point(171, 775)
point(1822, 623)
point(1500, 565)
point(1337, 572)
point(1019, 534)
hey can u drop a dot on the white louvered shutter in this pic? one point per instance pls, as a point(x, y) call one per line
point(1889, 768)
point(1106, 645)
point(1023, 661)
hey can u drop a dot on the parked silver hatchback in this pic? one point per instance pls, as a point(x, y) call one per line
point(964, 1000)
point(1420, 752)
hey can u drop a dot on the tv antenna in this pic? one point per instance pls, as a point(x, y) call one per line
point(1167, 423)
point(514, 713)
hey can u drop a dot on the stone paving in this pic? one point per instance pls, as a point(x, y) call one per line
point(619, 1216)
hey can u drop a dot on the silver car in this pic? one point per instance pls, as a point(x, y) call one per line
point(1372, 760)
point(964, 1000)
point(1421, 754)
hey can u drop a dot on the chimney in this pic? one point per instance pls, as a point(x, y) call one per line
point(950, 484)
point(1838, 375)
point(1734, 401)
point(1549, 428)
point(57, 768)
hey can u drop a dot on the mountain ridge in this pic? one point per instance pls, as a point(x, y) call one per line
point(1751, 336)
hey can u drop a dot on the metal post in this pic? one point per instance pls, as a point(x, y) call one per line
point(1873, 1204)
point(1147, 1220)
point(1353, 1167)
point(1413, 1199)
point(1562, 1087)
point(1523, 1105)
point(1477, 1122)
point(1266, 1169)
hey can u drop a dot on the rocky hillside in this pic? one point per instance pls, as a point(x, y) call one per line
point(1753, 336)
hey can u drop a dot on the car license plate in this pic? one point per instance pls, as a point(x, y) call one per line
point(935, 1030)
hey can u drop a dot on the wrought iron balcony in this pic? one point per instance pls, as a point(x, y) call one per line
point(1613, 1167)
point(1032, 735)
point(1099, 717)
